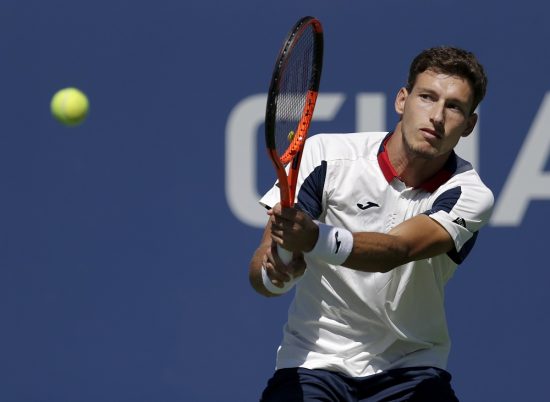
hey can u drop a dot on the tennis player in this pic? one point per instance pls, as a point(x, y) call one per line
point(381, 223)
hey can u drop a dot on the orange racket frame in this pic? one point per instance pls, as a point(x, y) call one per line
point(293, 154)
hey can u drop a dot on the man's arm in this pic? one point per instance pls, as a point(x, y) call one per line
point(279, 273)
point(417, 238)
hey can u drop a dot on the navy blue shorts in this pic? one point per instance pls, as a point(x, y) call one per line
point(423, 384)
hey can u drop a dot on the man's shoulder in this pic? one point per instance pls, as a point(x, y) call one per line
point(468, 179)
point(466, 173)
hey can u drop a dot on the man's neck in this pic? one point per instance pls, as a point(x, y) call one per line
point(411, 168)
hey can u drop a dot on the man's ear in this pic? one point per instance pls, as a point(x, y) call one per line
point(472, 120)
point(400, 99)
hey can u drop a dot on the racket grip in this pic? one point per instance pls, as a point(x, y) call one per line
point(284, 254)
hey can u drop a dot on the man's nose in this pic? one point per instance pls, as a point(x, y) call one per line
point(437, 116)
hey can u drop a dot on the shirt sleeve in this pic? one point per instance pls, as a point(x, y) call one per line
point(272, 197)
point(311, 177)
point(463, 210)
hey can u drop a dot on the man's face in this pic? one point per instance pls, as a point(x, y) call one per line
point(435, 114)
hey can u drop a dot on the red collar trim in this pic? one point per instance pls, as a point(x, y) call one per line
point(384, 160)
point(430, 185)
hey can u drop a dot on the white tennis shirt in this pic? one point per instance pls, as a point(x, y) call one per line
point(361, 323)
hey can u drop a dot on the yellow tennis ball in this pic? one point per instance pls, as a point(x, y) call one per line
point(70, 106)
point(290, 136)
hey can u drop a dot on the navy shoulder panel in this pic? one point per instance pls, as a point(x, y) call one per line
point(310, 196)
point(446, 201)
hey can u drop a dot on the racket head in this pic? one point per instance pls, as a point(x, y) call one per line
point(291, 100)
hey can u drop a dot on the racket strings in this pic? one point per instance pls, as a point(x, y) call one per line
point(294, 84)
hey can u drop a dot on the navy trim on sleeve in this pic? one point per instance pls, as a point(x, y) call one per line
point(446, 202)
point(459, 256)
point(310, 196)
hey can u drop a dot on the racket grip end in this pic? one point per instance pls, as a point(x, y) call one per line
point(284, 254)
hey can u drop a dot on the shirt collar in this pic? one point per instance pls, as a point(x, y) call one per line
point(429, 185)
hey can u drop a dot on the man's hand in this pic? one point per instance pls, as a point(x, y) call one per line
point(292, 229)
point(277, 271)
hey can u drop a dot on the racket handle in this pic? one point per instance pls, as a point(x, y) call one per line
point(284, 254)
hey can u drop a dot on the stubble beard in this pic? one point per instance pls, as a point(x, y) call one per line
point(417, 151)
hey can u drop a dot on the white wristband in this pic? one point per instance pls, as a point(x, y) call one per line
point(334, 244)
point(275, 289)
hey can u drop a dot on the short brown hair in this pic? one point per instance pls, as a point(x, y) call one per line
point(453, 61)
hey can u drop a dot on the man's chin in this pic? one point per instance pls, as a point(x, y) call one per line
point(425, 152)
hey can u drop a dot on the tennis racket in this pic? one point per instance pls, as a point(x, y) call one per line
point(290, 104)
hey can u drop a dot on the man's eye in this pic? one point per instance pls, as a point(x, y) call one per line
point(455, 107)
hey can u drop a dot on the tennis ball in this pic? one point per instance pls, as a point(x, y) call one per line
point(69, 106)
point(290, 136)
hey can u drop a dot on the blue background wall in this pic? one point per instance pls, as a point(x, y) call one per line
point(123, 269)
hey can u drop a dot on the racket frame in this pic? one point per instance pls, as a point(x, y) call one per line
point(293, 154)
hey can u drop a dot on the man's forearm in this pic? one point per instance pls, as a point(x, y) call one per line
point(377, 252)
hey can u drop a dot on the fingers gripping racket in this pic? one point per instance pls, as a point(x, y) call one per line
point(290, 103)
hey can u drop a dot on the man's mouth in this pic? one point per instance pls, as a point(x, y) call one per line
point(432, 132)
